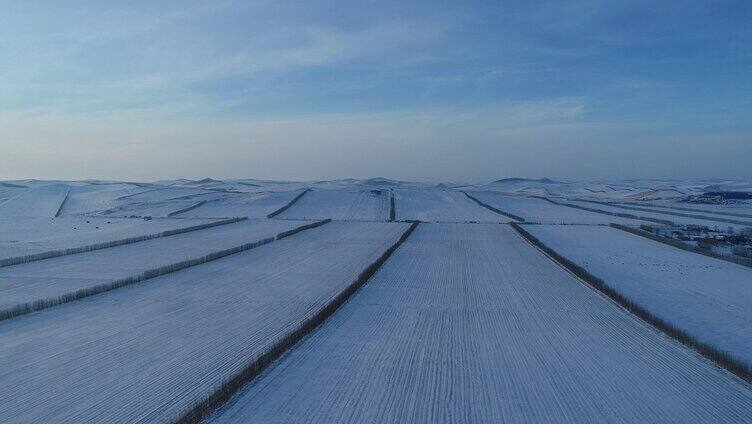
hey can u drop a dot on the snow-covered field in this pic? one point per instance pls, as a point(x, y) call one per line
point(44, 201)
point(350, 205)
point(28, 236)
point(743, 210)
point(92, 198)
point(147, 352)
point(117, 318)
point(56, 277)
point(469, 323)
point(658, 215)
point(719, 215)
point(437, 205)
point(544, 212)
point(707, 297)
point(253, 206)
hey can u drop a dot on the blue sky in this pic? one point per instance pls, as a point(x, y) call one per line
point(439, 90)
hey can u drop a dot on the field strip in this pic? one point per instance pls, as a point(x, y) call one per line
point(88, 287)
point(664, 212)
point(289, 204)
point(601, 211)
point(367, 205)
point(659, 215)
point(473, 324)
point(711, 352)
point(491, 208)
point(684, 246)
point(107, 244)
point(536, 210)
point(150, 352)
point(442, 205)
point(683, 208)
point(256, 367)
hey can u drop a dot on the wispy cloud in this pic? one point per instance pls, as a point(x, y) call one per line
point(284, 90)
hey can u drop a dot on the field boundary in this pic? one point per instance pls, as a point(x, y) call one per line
point(189, 208)
point(232, 385)
point(289, 204)
point(60, 208)
point(601, 211)
point(392, 207)
point(684, 246)
point(710, 352)
point(114, 243)
point(288, 233)
point(493, 209)
point(37, 305)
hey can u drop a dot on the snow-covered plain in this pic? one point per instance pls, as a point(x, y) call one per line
point(28, 236)
point(147, 352)
point(709, 298)
point(52, 278)
point(464, 323)
point(350, 205)
point(438, 205)
point(469, 323)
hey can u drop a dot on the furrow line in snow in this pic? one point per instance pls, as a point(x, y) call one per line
point(257, 366)
point(714, 354)
point(37, 305)
point(107, 244)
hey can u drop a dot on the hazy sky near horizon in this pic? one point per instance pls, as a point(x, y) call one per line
point(420, 90)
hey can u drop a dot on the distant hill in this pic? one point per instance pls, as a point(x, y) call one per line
point(204, 181)
point(526, 180)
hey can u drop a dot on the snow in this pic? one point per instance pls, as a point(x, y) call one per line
point(52, 278)
point(27, 236)
point(161, 202)
point(353, 205)
point(740, 210)
point(469, 323)
point(464, 323)
point(147, 352)
point(434, 205)
point(94, 197)
point(160, 194)
point(707, 297)
point(43, 201)
point(544, 212)
point(254, 206)
point(658, 215)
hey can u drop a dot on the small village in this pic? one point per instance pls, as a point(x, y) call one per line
point(723, 241)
